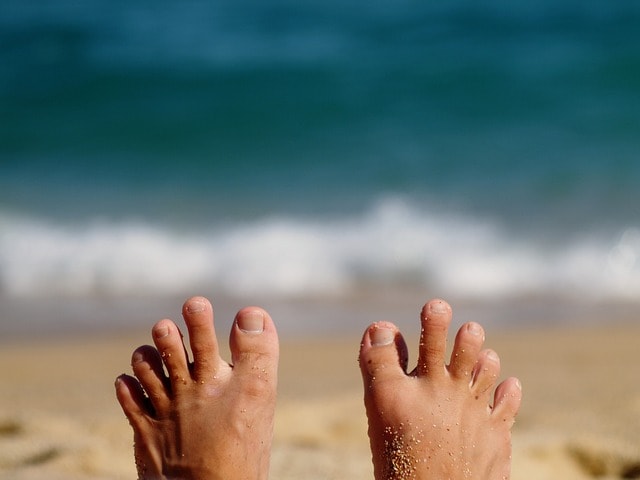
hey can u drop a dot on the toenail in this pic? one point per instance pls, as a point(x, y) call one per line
point(493, 356)
point(474, 329)
point(137, 357)
point(381, 336)
point(196, 305)
point(251, 321)
point(160, 331)
point(518, 384)
point(438, 307)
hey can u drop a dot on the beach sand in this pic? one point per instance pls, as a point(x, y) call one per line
point(580, 417)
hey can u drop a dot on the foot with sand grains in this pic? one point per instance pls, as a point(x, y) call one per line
point(439, 421)
point(206, 419)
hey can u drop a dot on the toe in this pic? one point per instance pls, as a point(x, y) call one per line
point(198, 315)
point(435, 318)
point(507, 400)
point(465, 350)
point(132, 399)
point(168, 341)
point(254, 344)
point(147, 367)
point(485, 374)
point(383, 353)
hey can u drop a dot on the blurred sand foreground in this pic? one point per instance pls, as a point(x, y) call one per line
point(580, 418)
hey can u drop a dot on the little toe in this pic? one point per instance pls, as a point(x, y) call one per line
point(465, 350)
point(383, 353)
point(254, 344)
point(168, 341)
point(507, 400)
point(485, 374)
point(198, 315)
point(147, 367)
point(435, 318)
point(132, 399)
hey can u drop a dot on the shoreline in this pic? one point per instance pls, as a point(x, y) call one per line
point(25, 319)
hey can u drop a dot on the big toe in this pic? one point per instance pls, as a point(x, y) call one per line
point(254, 346)
point(383, 353)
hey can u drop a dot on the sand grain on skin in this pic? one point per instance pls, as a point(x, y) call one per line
point(401, 462)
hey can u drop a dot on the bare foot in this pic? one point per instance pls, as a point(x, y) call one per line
point(206, 419)
point(437, 422)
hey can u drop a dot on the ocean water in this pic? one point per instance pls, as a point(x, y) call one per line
point(319, 149)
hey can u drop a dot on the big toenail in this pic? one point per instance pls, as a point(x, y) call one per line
point(381, 336)
point(251, 322)
point(196, 305)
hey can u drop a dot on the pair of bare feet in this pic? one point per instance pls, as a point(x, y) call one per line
point(206, 419)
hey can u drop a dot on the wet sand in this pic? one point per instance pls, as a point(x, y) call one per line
point(580, 418)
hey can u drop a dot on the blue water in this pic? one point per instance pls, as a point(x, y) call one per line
point(318, 148)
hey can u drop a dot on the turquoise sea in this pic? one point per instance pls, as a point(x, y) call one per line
point(483, 151)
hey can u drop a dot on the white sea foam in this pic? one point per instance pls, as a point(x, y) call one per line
point(391, 245)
